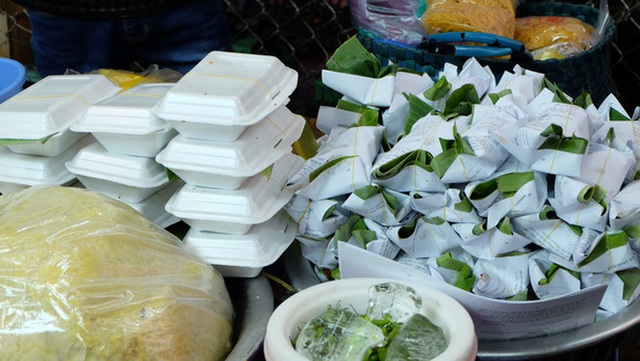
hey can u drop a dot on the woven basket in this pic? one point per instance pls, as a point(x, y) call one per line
point(590, 71)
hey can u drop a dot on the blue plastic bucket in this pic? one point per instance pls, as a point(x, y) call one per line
point(12, 78)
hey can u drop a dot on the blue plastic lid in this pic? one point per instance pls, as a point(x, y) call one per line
point(12, 78)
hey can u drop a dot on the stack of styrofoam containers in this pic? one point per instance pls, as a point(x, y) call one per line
point(35, 129)
point(233, 151)
point(121, 164)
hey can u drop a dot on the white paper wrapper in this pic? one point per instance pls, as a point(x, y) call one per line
point(502, 277)
point(450, 205)
point(355, 148)
point(490, 243)
point(614, 298)
point(475, 74)
point(608, 252)
point(330, 117)
point(425, 237)
point(523, 85)
point(462, 268)
point(364, 90)
point(525, 141)
point(317, 219)
point(561, 283)
point(378, 207)
point(574, 204)
point(624, 208)
point(528, 198)
point(554, 235)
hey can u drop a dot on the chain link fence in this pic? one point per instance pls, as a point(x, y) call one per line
point(304, 34)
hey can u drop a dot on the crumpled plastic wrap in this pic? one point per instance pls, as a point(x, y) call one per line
point(485, 16)
point(85, 277)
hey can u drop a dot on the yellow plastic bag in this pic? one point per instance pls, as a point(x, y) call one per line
point(486, 16)
point(85, 277)
point(553, 36)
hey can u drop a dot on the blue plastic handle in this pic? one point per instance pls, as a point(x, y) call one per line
point(485, 38)
point(480, 51)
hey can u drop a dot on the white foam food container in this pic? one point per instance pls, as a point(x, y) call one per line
point(52, 147)
point(23, 170)
point(52, 104)
point(126, 124)
point(256, 201)
point(244, 255)
point(123, 177)
point(153, 206)
point(229, 89)
point(228, 164)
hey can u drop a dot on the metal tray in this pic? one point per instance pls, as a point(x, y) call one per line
point(603, 334)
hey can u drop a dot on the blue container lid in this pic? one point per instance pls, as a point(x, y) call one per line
point(12, 78)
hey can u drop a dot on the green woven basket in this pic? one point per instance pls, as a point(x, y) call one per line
point(590, 71)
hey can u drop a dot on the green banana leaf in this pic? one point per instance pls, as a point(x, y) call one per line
point(438, 90)
point(631, 280)
point(494, 97)
point(615, 115)
point(465, 279)
point(419, 158)
point(451, 150)
point(608, 242)
point(552, 271)
point(509, 184)
point(353, 58)
point(369, 191)
point(556, 141)
point(344, 232)
point(7, 142)
point(464, 205)
point(596, 193)
point(417, 110)
point(460, 102)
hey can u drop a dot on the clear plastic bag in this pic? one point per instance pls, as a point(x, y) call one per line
point(396, 20)
point(553, 36)
point(484, 16)
point(86, 277)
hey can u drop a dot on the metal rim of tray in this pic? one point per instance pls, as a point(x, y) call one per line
point(302, 275)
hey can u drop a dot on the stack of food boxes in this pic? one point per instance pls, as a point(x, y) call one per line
point(233, 151)
point(35, 129)
point(121, 164)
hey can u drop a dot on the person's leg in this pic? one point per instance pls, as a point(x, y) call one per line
point(180, 38)
point(60, 43)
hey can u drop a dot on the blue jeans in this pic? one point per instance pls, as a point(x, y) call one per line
point(176, 39)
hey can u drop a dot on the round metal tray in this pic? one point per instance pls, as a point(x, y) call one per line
point(602, 334)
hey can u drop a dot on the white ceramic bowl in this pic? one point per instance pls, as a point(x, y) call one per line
point(288, 318)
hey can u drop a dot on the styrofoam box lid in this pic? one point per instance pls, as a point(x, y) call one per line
point(257, 200)
point(259, 247)
point(258, 147)
point(36, 170)
point(129, 112)
point(52, 104)
point(96, 162)
point(229, 88)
